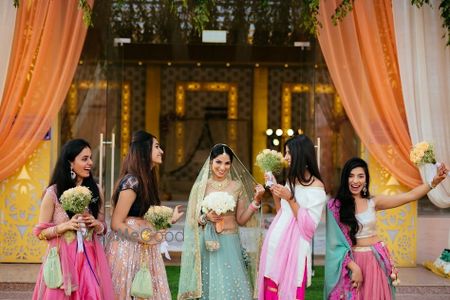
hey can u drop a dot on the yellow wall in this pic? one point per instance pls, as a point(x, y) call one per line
point(260, 100)
point(20, 198)
point(397, 227)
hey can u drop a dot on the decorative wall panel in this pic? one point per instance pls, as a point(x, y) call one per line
point(20, 199)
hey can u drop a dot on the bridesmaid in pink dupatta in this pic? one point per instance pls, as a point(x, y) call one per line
point(285, 264)
point(84, 267)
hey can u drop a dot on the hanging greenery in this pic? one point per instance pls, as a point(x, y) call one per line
point(83, 5)
point(308, 12)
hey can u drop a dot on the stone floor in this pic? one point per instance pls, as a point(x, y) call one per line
point(17, 282)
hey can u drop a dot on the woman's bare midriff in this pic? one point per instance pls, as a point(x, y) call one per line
point(369, 241)
point(229, 222)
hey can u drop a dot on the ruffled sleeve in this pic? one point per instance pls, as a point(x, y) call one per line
point(129, 182)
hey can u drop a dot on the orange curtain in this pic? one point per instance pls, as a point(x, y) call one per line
point(48, 39)
point(360, 53)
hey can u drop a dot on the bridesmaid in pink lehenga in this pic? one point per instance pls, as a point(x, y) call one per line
point(128, 248)
point(85, 270)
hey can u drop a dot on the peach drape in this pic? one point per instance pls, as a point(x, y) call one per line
point(360, 53)
point(48, 39)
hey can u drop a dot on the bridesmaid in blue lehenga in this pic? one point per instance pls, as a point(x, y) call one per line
point(215, 263)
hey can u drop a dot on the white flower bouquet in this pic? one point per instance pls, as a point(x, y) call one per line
point(270, 161)
point(219, 202)
point(76, 200)
point(422, 155)
point(159, 216)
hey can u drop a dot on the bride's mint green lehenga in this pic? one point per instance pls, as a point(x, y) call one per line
point(228, 272)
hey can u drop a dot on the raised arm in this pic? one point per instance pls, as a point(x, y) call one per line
point(391, 201)
point(244, 212)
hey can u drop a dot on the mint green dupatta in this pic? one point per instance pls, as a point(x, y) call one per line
point(337, 248)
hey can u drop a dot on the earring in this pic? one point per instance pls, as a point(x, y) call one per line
point(72, 174)
point(364, 190)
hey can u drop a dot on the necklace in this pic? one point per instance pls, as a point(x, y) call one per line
point(219, 185)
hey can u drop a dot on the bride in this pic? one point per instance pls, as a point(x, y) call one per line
point(214, 263)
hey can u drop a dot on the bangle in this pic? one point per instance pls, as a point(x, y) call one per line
point(202, 220)
point(55, 231)
point(102, 229)
point(254, 206)
point(42, 236)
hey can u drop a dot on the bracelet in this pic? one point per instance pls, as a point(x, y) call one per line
point(42, 236)
point(202, 220)
point(430, 185)
point(291, 198)
point(102, 229)
point(255, 206)
point(55, 231)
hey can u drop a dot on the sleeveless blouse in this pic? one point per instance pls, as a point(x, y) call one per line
point(367, 220)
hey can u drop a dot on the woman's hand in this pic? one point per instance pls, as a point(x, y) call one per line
point(72, 224)
point(177, 213)
point(259, 192)
point(92, 222)
point(357, 277)
point(213, 217)
point(440, 175)
point(281, 191)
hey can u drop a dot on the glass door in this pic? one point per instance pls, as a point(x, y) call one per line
point(97, 107)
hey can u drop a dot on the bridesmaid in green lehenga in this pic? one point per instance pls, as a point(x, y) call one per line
point(216, 264)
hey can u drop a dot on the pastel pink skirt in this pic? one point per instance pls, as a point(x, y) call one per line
point(375, 283)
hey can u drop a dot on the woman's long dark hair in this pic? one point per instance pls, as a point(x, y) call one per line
point(219, 149)
point(61, 174)
point(347, 208)
point(303, 158)
point(138, 163)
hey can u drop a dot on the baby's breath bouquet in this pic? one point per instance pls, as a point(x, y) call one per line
point(76, 200)
point(270, 161)
point(159, 216)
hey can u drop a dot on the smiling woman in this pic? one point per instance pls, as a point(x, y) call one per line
point(135, 192)
point(219, 258)
point(84, 272)
point(357, 263)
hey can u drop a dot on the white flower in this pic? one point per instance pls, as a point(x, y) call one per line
point(76, 199)
point(270, 160)
point(422, 153)
point(159, 216)
point(219, 202)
